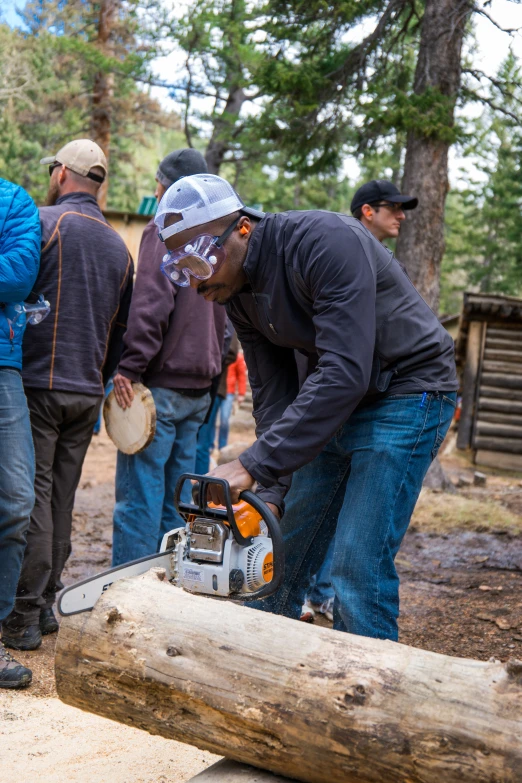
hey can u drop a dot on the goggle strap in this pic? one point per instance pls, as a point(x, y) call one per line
point(225, 235)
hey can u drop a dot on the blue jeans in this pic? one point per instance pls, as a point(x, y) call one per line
point(145, 482)
point(224, 420)
point(206, 436)
point(16, 484)
point(361, 491)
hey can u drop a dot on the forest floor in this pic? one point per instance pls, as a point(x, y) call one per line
point(461, 594)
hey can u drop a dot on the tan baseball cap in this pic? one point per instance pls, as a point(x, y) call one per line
point(80, 156)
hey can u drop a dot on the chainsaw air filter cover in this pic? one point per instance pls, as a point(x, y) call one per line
point(259, 564)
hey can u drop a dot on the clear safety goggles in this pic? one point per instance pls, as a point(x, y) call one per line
point(200, 258)
point(35, 312)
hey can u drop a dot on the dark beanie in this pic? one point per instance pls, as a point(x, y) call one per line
point(180, 163)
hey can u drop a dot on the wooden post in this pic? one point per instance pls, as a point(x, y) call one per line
point(301, 701)
point(469, 384)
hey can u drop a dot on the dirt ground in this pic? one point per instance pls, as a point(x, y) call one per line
point(461, 594)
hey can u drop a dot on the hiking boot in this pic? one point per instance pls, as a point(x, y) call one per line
point(28, 638)
point(48, 622)
point(12, 673)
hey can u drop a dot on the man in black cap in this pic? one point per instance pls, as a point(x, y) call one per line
point(380, 207)
point(177, 164)
point(173, 344)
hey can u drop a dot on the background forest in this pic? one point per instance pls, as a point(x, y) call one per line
point(279, 95)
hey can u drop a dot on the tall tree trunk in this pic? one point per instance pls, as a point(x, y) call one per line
point(421, 242)
point(222, 133)
point(103, 90)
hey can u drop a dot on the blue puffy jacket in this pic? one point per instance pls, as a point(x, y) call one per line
point(19, 261)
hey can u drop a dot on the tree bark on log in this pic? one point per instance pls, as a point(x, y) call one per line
point(303, 702)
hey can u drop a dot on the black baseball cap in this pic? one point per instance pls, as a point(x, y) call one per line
point(180, 163)
point(381, 190)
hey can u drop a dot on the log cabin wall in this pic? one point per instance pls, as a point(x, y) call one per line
point(490, 352)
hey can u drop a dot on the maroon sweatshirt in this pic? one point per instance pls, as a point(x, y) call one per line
point(174, 338)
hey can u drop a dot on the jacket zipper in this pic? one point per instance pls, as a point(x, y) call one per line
point(271, 325)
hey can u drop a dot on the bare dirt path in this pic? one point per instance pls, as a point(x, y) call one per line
point(42, 738)
point(461, 594)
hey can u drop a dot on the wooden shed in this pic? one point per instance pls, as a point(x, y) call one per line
point(489, 356)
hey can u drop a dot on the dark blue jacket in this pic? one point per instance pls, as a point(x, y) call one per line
point(321, 284)
point(19, 259)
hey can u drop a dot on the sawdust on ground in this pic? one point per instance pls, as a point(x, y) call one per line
point(43, 739)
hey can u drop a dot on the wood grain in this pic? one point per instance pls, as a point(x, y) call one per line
point(133, 429)
point(301, 701)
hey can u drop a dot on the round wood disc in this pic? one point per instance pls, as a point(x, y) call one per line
point(131, 430)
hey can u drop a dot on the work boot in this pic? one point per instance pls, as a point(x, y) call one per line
point(48, 622)
point(25, 638)
point(12, 673)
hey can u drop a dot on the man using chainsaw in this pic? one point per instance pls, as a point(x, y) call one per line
point(359, 435)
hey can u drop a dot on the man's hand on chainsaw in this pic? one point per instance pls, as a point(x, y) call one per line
point(238, 478)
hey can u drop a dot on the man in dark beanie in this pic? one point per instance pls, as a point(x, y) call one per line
point(177, 164)
point(173, 345)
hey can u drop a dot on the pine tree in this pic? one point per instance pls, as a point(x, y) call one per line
point(484, 220)
point(61, 94)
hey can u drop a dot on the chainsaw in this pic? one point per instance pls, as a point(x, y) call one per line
point(234, 552)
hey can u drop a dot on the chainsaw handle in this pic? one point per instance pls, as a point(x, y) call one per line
point(278, 545)
point(202, 508)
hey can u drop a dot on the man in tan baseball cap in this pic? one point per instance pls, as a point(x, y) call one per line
point(86, 273)
point(79, 165)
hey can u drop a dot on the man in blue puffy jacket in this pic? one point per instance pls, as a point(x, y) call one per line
point(19, 260)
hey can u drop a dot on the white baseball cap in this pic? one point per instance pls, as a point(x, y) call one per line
point(199, 199)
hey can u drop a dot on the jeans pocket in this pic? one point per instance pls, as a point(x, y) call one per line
point(446, 412)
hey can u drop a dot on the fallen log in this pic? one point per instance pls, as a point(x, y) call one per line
point(226, 771)
point(303, 702)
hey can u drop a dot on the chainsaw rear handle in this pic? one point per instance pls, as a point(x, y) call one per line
point(201, 508)
point(278, 545)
